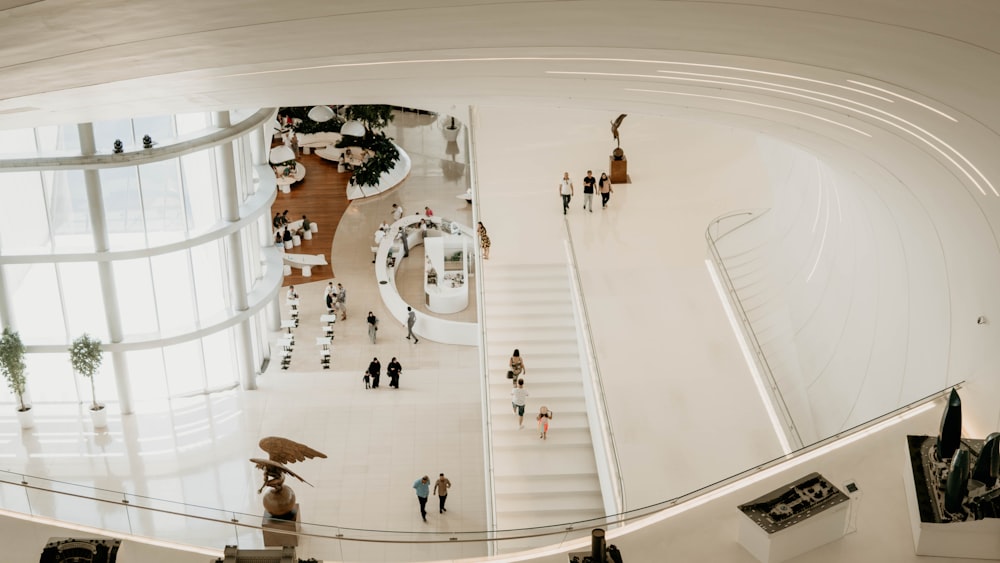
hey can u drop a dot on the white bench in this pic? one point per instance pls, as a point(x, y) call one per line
point(305, 261)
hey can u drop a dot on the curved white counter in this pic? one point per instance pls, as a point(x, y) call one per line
point(427, 326)
point(386, 181)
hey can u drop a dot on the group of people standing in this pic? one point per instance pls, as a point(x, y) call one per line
point(336, 301)
point(590, 184)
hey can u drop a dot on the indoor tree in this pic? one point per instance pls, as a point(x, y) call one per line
point(12, 364)
point(86, 356)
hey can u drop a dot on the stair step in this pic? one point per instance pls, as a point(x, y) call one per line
point(547, 483)
point(524, 519)
point(514, 503)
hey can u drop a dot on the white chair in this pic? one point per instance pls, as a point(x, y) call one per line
point(308, 235)
point(288, 245)
point(296, 240)
point(313, 227)
point(287, 270)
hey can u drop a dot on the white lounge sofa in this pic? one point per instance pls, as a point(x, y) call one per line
point(305, 262)
point(319, 140)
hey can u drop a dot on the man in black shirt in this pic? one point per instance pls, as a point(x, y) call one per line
point(588, 191)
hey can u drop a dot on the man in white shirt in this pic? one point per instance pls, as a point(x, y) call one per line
point(518, 398)
point(397, 212)
point(566, 191)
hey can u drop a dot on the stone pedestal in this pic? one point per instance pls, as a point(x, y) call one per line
point(274, 526)
point(618, 170)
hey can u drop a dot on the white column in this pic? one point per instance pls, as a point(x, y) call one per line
point(6, 311)
point(105, 270)
point(229, 198)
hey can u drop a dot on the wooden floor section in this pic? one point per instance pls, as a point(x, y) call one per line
point(322, 197)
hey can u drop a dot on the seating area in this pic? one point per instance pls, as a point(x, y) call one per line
point(285, 176)
point(305, 262)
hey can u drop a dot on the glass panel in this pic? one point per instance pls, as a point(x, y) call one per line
point(17, 141)
point(159, 127)
point(24, 225)
point(162, 202)
point(200, 190)
point(50, 379)
point(135, 297)
point(210, 281)
point(123, 207)
point(145, 367)
point(106, 132)
point(82, 300)
point(174, 292)
point(35, 298)
point(191, 122)
point(220, 359)
point(185, 368)
point(47, 138)
point(104, 382)
point(69, 215)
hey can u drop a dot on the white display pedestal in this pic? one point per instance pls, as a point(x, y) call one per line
point(447, 290)
point(976, 539)
point(794, 519)
point(807, 535)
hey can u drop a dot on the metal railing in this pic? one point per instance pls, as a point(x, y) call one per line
point(611, 478)
point(120, 513)
point(713, 234)
point(484, 365)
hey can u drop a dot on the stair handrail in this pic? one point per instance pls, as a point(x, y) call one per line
point(484, 367)
point(242, 521)
point(612, 477)
point(713, 234)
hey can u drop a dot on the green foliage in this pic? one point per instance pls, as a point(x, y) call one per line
point(375, 117)
point(383, 160)
point(86, 356)
point(306, 125)
point(12, 365)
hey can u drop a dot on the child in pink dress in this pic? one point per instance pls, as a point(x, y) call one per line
point(543, 418)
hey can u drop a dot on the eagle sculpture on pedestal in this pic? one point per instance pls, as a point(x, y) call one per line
point(280, 500)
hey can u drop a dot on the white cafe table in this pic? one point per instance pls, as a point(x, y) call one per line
point(328, 319)
point(289, 325)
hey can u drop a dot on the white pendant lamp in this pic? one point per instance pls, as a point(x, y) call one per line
point(320, 114)
point(353, 128)
point(281, 153)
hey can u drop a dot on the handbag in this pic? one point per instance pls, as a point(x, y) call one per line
point(510, 374)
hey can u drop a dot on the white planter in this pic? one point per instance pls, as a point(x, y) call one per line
point(99, 417)
point(26, 418)
point(451, 135)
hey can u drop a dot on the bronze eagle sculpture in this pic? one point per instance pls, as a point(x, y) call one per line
point(281, 499)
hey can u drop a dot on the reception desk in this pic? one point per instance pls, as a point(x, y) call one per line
point(390, 252)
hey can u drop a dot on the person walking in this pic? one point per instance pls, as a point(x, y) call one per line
point(517, 364)
point(372, 326)
point(588, 190)
point(367, 378)
point(441, 487)
point(404, 240)
point(422, 486)
point(392, 370)
point(543, 418)
point(604, 185)
point(566, 191)
point(484, 241)
point(397, 212)
point(375, 370)
point(342, 300)
point(518, 397)
point(411, 319)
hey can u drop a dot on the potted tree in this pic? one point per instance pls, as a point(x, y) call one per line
point(86, 356)
point(12, 367)
point(451, 130)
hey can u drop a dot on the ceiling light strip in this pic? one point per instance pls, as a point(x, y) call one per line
point(739, 101)
point(937, 149)
point(831, 84)
point(911, 100)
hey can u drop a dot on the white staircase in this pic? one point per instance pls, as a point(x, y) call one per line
point(538, 482)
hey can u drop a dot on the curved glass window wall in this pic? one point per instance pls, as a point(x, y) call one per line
point(169, 253)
